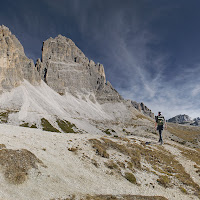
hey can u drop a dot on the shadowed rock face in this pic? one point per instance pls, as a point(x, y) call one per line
point(142, 108)
point(65, 68)
point(14, 65)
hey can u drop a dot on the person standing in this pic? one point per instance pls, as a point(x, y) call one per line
point(159, 125)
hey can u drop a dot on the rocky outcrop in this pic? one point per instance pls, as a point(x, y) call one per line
point(65, 68)
point(180, 119)
point(196, 122)
point(142, 108)
point(14, 65)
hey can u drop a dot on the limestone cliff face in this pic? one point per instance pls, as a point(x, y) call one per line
point(65, 68)
point(14, 65)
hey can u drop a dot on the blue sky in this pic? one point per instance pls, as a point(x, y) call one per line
point(149, 48)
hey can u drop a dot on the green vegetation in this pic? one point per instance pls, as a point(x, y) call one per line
point(24, 125)
point(183, 190)
point(109, 132)
point(130, 177)
point(47, 126)
point(164, 181)
point(66, 126)
point(4, 115)
point(132, 152)
point(27, 125)
point(33, 126)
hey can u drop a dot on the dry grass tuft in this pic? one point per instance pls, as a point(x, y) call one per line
point(183, 190)
point(162, 161)
point(17, 163)
point(132, 152)
point(111, 165)
point(164, 181)
point(100, 148)
point(190, 154)
point(187, 133)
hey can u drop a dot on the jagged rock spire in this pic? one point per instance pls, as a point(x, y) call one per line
point(14, 65)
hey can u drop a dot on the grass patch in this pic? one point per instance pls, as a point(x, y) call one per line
point(111, 165)
point(132, 152)
point(109, 132)
point(164, 181)
point(47, 126)
point(66, 126)
point(24, 125)
point(183, 190)
point(130, 177)
point(16, 164)
point(99, 147)
point(4, 115)
point(162, 161)
point(33, 126)
point(187, 133)
point(28, 126)
point(190, 154)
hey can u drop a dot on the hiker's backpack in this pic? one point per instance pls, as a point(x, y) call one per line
point(160, 120)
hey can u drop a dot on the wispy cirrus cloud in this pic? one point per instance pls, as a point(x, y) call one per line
point(149, 48)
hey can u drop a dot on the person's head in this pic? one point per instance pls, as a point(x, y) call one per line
point(159, 113)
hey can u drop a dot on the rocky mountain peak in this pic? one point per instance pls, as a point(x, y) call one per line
point(14, 65)
point(180, 119)
point(142, 108)
point(65, 68)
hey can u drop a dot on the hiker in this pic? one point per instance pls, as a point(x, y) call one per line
point(160, 123)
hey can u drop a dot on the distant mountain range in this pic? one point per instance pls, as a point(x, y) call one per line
point(185, 119)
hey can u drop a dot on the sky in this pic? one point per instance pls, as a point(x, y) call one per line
point(150, 49)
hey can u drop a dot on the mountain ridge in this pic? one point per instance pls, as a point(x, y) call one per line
point(185, 119)
point(67, 134)
point(64, 68)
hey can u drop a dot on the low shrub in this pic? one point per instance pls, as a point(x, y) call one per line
point(47, 126)
point(130, 177)
point(164, 181)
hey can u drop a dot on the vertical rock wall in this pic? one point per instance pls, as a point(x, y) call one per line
point(14, 65)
